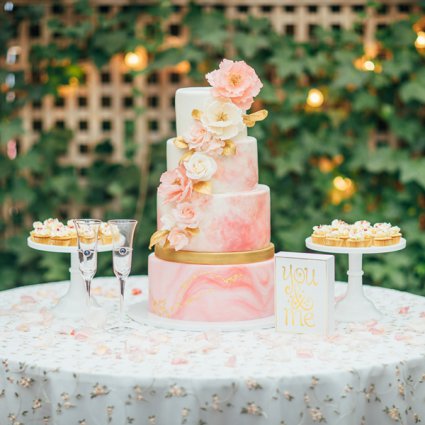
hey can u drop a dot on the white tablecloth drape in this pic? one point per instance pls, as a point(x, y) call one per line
point(58, 372)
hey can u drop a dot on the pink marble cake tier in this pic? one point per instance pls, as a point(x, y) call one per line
point(236, 173)
point(211, 293)
point(229, 222)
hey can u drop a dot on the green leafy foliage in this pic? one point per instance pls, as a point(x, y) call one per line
point(302, 150)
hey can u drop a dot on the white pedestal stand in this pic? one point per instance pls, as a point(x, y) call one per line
point(73, 304)
point(355, 307)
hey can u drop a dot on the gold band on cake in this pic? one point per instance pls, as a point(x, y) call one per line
point(215, 258)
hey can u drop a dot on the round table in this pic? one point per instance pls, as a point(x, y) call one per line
point(54, 372)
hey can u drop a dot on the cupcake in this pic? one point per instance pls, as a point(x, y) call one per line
point(382, 237)
point(357, 239)
point(363, 224)
point(105, 234)
point(52, 223)
point(382, 226)
point(395, 235)
point(337, 224)
point(60, 236)
point(319, 234)
point(334, 238)
point(40, 234)
point(72, 232)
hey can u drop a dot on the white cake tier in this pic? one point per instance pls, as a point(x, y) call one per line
point(188, 99)
point(229, 222)
point(235, 173)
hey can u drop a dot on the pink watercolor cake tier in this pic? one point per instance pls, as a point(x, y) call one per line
point(213, 258)
point(211, 292)
point(234, 173)
point(233, 221)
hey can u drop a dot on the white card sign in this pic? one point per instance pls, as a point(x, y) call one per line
point(304, 293)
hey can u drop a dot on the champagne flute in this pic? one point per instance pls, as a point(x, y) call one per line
point(122, 253)
point(87, 236)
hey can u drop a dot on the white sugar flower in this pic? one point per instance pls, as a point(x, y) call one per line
point(200, 167)
point(223, 119)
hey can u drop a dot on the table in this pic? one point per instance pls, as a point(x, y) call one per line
point(53, 372)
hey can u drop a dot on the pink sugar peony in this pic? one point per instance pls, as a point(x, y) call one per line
point(175, 185)
point(185, 216)
point(178, 238)
point(201, 140)
point(236, 81)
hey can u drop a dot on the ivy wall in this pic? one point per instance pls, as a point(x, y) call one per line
point(359, 155)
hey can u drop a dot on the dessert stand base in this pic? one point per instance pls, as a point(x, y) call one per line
point(139, 312)
point(355, 306)
point(74, 304)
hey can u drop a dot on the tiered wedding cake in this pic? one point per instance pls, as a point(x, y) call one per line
point(213, 258)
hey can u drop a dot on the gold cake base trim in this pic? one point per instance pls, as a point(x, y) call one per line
point(215, 258)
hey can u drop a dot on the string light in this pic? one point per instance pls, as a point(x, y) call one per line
point(343, 188)
point(12, 54)
point(8, 6)
point(315, 98)
point(365, 63)
point(420, 40)
point(137, 60)
point(69, 89)
point(183, 67)
point(369, 65)
point(326, 165)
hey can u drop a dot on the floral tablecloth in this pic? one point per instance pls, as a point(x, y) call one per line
point(54, 372)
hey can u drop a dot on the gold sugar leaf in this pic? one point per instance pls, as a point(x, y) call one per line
point(186, 156)
point(203, 187)
point(192, 231)
point(196, 114)
point(157, 237)
point(229, 148)
point(251, 119)
point(180, 143)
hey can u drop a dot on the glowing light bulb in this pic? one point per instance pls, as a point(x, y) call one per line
point(420, 40)
point(369, 65)
point(315, 98)
point(183, 67)
point(137, 60)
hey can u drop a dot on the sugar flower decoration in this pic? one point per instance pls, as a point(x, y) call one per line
point(201, 140)
point(235, 81)
point(185, 215)
point(175, 185)
point(222, 119)
point(200, 167)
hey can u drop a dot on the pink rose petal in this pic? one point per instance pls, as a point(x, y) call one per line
point(179, 361)
point(231, 362)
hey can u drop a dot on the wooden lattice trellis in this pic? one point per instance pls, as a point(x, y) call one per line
point(102, 107)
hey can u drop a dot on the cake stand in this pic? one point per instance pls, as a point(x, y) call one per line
point(355, 306)
point(71, 305)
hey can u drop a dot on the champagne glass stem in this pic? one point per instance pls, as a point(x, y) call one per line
point(122, 291)
point(88, 288)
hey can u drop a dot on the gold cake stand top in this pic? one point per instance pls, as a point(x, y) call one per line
point(215, 258)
